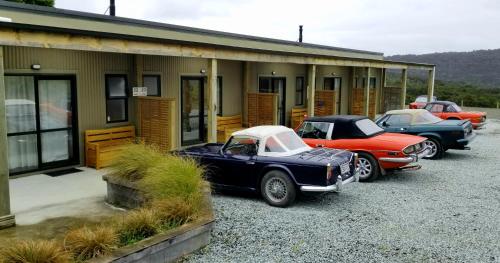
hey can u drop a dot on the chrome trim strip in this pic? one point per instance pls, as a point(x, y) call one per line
point(337, 187)
point(409, 159)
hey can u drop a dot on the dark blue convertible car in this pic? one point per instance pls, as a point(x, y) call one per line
point(275, 162)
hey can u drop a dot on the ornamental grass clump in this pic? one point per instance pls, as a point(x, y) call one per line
point(134, 160)
point(86, 243)
point(34, 252)
point(174, 178)
point(173, 212)
point(137, 225)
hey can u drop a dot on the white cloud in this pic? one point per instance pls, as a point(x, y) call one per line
point(389, 26)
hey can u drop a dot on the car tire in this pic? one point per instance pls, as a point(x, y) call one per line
point(437, 150)
point(368, 167)
point(278, 189)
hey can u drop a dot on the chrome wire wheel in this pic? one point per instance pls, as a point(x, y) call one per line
point(276, 189)
point(433, 148)
point(365, 168)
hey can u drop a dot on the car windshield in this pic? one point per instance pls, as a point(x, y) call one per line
point(426, 117)
point(290, 140)
point(421, 99)
point(368, 127)
point(456, 107)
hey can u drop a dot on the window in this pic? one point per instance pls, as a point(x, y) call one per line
point(314, 130)
point(153, 83)
point(273, 146)
point(219, 96)
point(299, 91)
point(368, 127)
point(290, 140)
point(398, 120)
point(116, 98)
point(373, 82)
point(454, 108)
point(242, 145)
point(332, 83)
point(434, 107)
point(426, 117)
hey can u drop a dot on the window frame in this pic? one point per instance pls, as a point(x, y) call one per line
point(117, 98)
point(333, 80)
point(158, 83)
point(220, 93)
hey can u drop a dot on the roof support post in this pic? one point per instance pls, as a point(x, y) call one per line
point(311, 89)
point(212, 100)
point(404, 80)
point(247, 81)
point(430, 84)
point(367, 92)
point(6, 219)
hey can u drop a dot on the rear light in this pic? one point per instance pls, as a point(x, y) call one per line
point(329, 171)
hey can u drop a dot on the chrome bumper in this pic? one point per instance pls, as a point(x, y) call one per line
point(408, 159)
point(478, 125)
point(337, 187)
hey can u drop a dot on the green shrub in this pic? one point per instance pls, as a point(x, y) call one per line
point(34, 252)
point(174, 178)
point(85, 243)
point(134, 160)
point(137, 225)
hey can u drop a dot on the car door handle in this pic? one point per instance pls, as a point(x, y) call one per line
point(250, 162)
point(320, 145)
point(402, 129)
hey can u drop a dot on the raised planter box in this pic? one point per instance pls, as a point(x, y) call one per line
point(122, 193)
point(164, 247)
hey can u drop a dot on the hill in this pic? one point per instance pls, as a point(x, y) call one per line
point(480, 67)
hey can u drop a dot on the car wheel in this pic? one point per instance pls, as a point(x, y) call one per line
point(368, 167)
point(436, 150)
point(277, 189)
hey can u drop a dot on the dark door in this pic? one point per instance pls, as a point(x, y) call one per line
point(193, 111)
point(238, 167)
point(276, 85)
point(397, 123)
point(41, 122)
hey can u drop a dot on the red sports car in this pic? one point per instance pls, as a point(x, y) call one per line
point(420, 102)
point(377, 150)
point(447, 110)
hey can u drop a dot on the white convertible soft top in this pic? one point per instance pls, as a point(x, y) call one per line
point(262, 132)
point(291, 146)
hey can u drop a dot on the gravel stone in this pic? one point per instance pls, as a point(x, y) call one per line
point(449, 211)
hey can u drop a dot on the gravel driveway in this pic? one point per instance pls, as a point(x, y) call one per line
point(449, 211)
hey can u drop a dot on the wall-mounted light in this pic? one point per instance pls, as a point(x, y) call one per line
point(333, 74)
point(203, 71)
point(274, 72)
point(36, 67)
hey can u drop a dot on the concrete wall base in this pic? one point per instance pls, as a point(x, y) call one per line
point(7, 221)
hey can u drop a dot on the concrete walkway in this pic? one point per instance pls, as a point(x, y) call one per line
point(39, 197)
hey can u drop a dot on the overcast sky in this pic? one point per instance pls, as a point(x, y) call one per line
point(389, 26)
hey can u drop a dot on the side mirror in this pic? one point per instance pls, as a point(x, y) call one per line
point(385, 124)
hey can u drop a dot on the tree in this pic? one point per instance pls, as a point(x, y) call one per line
point(35, 2)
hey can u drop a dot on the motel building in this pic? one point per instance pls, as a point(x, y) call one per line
point(63, 73)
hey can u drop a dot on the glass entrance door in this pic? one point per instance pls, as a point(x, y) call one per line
point(41, 122)
point(193, 111)
point(276, 85)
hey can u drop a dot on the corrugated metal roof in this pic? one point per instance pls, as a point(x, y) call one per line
point(39, 16)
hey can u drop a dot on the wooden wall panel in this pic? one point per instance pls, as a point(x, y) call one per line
point(358, 102)
point(155, 121)
point(262, 109)
point(324, 103)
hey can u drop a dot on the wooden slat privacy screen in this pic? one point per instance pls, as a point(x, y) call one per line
point(262, 109)
point(358, 102)
point(156, 121)
point(324, 103)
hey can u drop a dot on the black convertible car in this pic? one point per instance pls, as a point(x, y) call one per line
point(441, 134)
point(274, 161)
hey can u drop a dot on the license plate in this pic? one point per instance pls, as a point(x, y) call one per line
point(344, 168)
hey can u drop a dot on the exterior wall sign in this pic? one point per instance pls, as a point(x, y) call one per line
point(139, 91)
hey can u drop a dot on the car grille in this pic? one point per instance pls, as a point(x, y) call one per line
point(345, 168)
